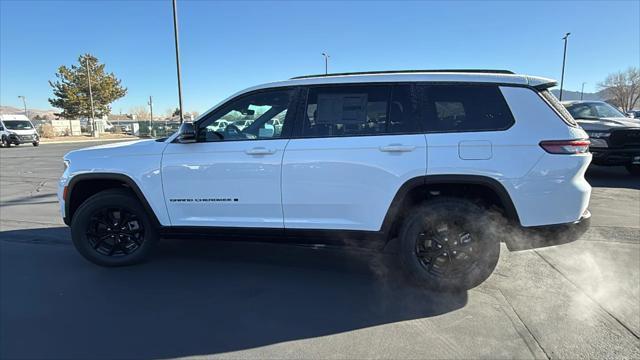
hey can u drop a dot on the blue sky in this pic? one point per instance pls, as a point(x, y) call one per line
point(227, 46)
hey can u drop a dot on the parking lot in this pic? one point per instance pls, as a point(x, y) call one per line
point(245, 300)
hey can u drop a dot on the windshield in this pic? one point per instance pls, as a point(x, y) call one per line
point(18, 124)
point(593, 110)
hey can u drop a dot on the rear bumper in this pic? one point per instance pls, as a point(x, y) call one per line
point(548, 235)
point(581, 225)
point(626, 156)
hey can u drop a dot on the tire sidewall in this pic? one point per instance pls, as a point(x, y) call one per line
point(111, 198)
point(478, 220)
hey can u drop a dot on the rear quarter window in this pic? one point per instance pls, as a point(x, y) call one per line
point(564, 114)
point(458, 108)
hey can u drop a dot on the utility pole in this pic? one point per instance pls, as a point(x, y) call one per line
point(24, 103)
point(175, 35)
point(582, 91)
point(93, 118)
point(564, 58)
point(151, 117)
point(326, 62)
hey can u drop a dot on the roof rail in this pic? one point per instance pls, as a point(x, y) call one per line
point(485, 71)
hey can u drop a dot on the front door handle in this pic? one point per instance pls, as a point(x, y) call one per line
point(259, 151)
point(397, 148)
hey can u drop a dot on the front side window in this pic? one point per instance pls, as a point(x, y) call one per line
point(253, 117)
point(458, 108)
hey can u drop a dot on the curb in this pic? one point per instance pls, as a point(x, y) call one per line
point(86, 141)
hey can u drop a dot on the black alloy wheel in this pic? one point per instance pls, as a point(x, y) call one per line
point(112, 228)
point(449, 244)
point(115, 232)
point(446, 249)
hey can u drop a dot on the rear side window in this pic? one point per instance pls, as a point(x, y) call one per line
point(346, 111)
point(558, 107)
point(456, 108)
point(361, 110)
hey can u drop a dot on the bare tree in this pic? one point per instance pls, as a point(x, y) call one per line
point(140, 112)
point(622, 89)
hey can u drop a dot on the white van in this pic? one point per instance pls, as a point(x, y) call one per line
point(16, 130)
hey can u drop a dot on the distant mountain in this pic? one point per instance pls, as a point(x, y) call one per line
point(32, 112)
point(575, 95)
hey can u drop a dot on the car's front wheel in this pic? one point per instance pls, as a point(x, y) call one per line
point(5, 142)
point(633, 169)
point(112, 228)
point(447, 244)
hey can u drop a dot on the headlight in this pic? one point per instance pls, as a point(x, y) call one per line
point(598, 134)
point(599, 143)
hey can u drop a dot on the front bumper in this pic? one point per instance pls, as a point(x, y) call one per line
point(613, 157)
point(23, 139)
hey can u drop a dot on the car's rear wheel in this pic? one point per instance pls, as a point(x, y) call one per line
point(447, 244)
point(633, 169)
point(112, 228)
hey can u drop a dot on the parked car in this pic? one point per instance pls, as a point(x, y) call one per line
point(16, 130)
point(107, 126)
point(634, 114)
point(615, 138)
point(428, 163)
point(242, 124)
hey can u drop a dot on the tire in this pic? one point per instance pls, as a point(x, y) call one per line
point(5, 142)
point(130, 239)
point(447, 245)
point(36, 143)
point(633, 169)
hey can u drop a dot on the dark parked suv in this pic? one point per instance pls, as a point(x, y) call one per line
point(615, 138)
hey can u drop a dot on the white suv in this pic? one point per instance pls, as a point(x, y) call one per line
point(416, 158)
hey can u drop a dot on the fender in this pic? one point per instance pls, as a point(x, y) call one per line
point(128, 181)
point(493, 184)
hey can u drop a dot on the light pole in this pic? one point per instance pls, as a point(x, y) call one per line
point(326, 62)
point(151, 116)
point(93, 116)
point(24, 103)
point(564, 58)
point(582, 91)
point(175, 35)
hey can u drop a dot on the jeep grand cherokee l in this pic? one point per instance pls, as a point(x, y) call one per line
point(615, 138)
point(419, 158)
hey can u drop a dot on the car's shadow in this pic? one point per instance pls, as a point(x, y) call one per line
point(611, 177)
point(195, 297)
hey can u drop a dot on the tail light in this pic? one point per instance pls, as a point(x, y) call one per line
point(565, 146)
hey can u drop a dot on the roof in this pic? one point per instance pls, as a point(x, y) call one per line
point(13, 117)
point(569, 102)
point(480, 76)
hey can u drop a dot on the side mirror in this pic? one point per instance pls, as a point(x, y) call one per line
point(187, 133)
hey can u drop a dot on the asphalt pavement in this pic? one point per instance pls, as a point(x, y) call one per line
point(244, 300)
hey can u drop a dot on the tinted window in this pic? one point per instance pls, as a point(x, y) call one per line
point(252, 117)
point(360, 110)
point(403, 111)
point(466, 108)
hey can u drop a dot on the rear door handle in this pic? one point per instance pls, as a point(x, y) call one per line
point(397, 148)
point(259, 151)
